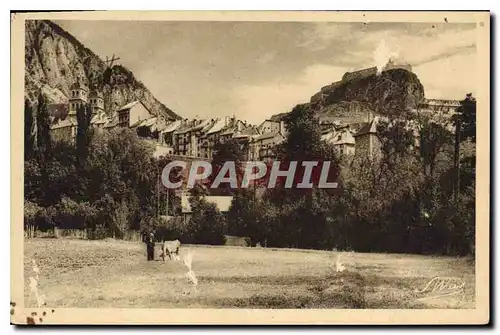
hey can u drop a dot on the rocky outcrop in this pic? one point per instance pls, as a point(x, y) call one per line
point(54, 60)
point(361, 94)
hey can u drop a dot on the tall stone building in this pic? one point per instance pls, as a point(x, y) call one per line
point(367, 141)
point(64, 115)
point(66, 124)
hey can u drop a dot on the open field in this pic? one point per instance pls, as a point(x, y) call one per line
point(115, 274)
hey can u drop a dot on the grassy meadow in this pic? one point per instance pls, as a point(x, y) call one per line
point(116, 274)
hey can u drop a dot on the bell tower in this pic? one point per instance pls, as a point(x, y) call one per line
point(96, 103)
point(78, 97)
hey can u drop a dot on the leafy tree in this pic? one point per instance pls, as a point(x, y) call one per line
point(304, 135)
point(43, 138)
point(74, 215)
point(171, 205)
point(122, 173)
point(467, 117)
point(207, 225)
point(31, 212)
point(397, 140)
point(229, 151)
point(33, 182)
point(83, 134)
point(29, 138)
point(242, 216)
point(433, 139)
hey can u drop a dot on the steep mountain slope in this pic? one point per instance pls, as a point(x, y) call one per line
point(351, 99)
point(54, 60)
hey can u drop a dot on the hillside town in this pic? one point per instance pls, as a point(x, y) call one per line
point(196, 138)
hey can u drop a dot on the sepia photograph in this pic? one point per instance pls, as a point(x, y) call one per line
point(239, 168)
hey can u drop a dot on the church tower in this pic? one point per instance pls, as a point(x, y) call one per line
point(96, 103)
point(78, 97)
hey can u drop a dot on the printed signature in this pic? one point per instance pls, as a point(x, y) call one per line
point(439, 287)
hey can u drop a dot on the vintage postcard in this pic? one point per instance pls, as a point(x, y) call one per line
point(250, 168)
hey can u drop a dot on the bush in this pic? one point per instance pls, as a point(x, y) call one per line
point(46, 219)
point(74, 215)
point(168, 230)
point(206, 226)
point(31, 213)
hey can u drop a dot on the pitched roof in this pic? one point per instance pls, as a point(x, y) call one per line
point(327, 136)
point(111, 123)
point(63, 124)
point(267, 135)
point(208, 126)
point(172, 126)
point(218, 125)
point(136, 123)
point(247, 132)
point(193, 125)
point(149, 122)
point(128, 106)
point(368, 128)
point(268, 120)
point(346, 137)
point(229, 131)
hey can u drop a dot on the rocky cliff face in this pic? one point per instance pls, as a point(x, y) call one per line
point(389, 93)
point(54, 60)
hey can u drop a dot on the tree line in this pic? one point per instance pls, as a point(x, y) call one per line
point(412, 198)
point(406, 200)
point(105, 182)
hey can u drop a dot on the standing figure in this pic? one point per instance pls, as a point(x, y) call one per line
point(150, 246)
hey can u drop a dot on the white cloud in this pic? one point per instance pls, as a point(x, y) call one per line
point(412, 48)
point(258, 102)
point(382, 54)
point(415, 49)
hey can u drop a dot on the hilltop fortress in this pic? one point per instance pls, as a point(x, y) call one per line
point(356, 75)
point(349, 76)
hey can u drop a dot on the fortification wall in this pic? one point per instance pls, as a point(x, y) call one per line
point(391, 66)
point(329, 88)
point(349, 76)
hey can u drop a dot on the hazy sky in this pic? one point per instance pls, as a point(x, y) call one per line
point(257, 69)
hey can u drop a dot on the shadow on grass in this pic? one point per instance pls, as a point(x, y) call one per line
point(366, 281)
point(265, 280)
point(346, 290)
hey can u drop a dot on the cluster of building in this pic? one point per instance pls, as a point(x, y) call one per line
point(190, 138)
point(362, 138)
point(197, 138)
point(64, 115)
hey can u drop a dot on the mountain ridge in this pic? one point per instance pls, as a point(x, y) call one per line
point(55, 59)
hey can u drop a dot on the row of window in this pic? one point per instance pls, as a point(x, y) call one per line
point(95, 101)
point(75, 105)
point(75, 94)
